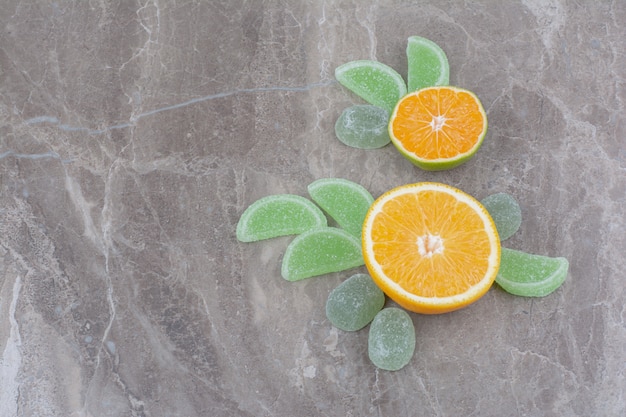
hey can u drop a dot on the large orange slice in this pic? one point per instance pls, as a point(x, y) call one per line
point(438, 128)
point(430, 247)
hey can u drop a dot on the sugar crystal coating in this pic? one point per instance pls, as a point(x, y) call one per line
point(278, 215)
point(363, 126)
point(345, 201)
point(427, 62)
point(391, 342)
point(353, 304)
point(505, 212)
point(530, 275)
point(373, 81)
point(321, 251)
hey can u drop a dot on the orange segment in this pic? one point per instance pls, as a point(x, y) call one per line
point(430, 247)
point(438, 127)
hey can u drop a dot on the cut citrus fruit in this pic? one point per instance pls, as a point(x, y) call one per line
point(530, 275)
point(278, 215)
point(363, 126)
point(438, 127)
point(345, 201)
point(321, 251)
point(374, 82)
point(505, 212)
point(428, 64)
point(430, 247)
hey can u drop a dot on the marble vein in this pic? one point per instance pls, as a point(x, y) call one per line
point(34, 156)
point(123, 289)
point(11, 360)
point(134, 119)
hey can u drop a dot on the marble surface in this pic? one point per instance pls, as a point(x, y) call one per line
point(134, 134)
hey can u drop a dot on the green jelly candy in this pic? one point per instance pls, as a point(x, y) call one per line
point(530, 275)
point(391, 342)
point(345, 201)
point(278, 215)
point(321, 251)
point(363, 126)
point(505, 212)
point(374, 82)
point(428, 64)
point(354, 303)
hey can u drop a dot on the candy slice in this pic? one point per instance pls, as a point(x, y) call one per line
point(530, 275)
point(374, 82)
point(321, 251)
point(506, 213)
point(363, 126)
point(353, 304)
point(278, 215)
point(428, 64)
point(391, 342)
point(345, 201)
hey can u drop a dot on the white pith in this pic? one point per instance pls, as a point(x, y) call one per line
point(437, 123)
point(429, 245)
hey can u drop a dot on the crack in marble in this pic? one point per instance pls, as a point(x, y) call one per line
point(433, 400)
point(134, 119)
point(322, 45)
point(148, 30)
point(368, 22)
point(152, 39)
point(101, 239)
point(522, 354)
point(105, 344)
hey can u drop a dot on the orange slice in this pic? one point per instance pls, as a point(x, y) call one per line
point(438, 128)
point(430, 247)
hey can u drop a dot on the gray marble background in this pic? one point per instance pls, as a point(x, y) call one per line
point(134, 134)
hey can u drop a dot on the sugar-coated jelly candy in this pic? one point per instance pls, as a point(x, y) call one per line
point(427, 62)
point(321, 251)
point(530, 275)
point(353, 304)
point(391, 342)
point(345, 201)
point(373, 81)
point(278, 215)
point(363, 126)
point(505, 212)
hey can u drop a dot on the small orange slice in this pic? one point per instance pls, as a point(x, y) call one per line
point(430, 247)
point(438, 128)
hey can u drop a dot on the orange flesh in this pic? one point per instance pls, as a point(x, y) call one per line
point(432, 244)
point(438, 123)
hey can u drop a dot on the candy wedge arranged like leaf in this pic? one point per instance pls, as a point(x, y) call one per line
point(363, 126)
point(391, 341)
point(354, 303)
point(345, 201)
point(278, 215)
point(529, 275)
point(321, 251)
point(428, 64)
point(505, 212)
point(374, 82)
